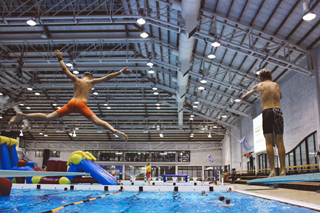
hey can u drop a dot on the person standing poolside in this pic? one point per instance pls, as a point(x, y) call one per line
point(148, 170)
point(270, 95)
point(78, 104)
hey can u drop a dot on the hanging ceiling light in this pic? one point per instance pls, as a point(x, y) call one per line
point(21, 133)
point(158, 104)
point(69, 64)
point(45, 135)
point(209, 135)
point(203, 81)
point(96, 93)
point(154, 88)
point(28, 107)
point(194, 106)
point(211, 55)
point(0, 117)
point(43, 35)
point(32, 22)
point(54, 104)
point(105, 104)
point(144, 34)
point(191, 135)
point(141, 21)
point(156, 93)
point(150, 64)
point(191, 119)
point(37, 93)
point(308, 14)
point(191, 116)
point(1, 93)
point(224, 116)
point(237, 100)
point(201, 88)
point(215, 126)
point(108, 107)
point(161, 135)
point(158, 107)
point(29, 88)
point(21, 104)
point(197, 102)
point(74, 134)
point(76, 72)
point(258, 72)
point(215, 43)
point(150, 71)
point(40, 133)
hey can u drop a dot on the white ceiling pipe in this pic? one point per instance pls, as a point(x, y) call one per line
point(185, 53)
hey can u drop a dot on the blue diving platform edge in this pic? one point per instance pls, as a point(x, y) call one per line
point(287, 179)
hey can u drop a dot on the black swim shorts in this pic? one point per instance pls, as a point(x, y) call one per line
point(272, 120)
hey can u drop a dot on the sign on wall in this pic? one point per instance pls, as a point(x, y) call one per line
point(258, 138)
point(211, 159)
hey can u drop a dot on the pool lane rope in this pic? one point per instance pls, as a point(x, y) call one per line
point(79, 202)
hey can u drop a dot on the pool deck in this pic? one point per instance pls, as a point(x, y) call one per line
point(299, 195)
point(307, 199)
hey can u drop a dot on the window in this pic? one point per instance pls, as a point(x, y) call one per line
point(142, 156)
point(303, 153)
point(311, 149)
point(297, 155)
point(191, 171)
point(39, 154)
point(53, 154)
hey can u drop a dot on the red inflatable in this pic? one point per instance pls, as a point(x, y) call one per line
point(5, 187)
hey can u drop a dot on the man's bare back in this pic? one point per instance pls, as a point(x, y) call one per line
point(270, 95)
point(82, 89)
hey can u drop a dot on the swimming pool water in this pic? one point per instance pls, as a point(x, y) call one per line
point(31, 200)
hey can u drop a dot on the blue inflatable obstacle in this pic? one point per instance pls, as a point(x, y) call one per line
point(84, 161)
point(9, 157)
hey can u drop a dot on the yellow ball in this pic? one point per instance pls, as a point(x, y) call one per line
point(36, 180)
point(64, 180)
point(76, 159)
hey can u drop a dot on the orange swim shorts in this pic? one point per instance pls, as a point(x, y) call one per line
point(75, 106)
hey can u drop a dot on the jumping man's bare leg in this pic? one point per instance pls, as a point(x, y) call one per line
point(34, 116)
point(282, 154)
point(269, 145)
point(97, 121)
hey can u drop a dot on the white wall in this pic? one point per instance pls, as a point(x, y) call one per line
point(199, 158)
point(226, 151)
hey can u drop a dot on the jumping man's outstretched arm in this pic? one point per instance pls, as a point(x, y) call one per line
point(113, 75)
point(251, 91)
point(63, 66)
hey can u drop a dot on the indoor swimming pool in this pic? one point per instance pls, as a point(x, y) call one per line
point(45, 200)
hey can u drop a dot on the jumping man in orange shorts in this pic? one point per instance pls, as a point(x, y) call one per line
point(78, 104)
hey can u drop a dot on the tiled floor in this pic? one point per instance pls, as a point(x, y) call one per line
point(301, 195)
